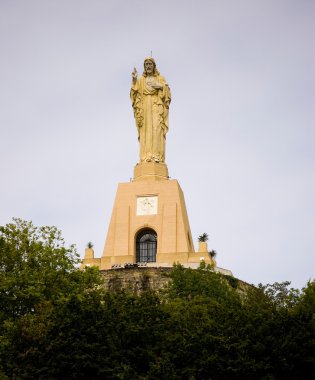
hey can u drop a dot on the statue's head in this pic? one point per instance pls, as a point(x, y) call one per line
point(150, 67)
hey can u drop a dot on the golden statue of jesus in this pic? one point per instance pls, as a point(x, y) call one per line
point(150, 97)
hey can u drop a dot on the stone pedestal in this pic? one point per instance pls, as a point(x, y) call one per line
point(148, 202)
point(151, 201)
point(202, 254)
point(89, 259)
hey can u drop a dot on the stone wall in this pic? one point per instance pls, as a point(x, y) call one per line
point(136, 280)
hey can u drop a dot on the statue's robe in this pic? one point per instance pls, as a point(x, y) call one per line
point(151, 113)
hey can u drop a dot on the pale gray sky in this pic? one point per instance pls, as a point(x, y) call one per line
point(242, 121)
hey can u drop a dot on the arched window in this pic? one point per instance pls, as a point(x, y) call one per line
point(146, 242)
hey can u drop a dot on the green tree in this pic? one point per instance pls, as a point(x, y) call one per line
point(37, 271)
point(187, 283)
point(60, 322)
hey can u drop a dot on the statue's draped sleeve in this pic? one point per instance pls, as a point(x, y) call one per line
point(164, 96)
point(136, 100)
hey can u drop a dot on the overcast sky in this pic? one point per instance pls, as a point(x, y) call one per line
point(241, 141)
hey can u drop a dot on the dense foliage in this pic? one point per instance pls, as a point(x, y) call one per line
point(58, 322)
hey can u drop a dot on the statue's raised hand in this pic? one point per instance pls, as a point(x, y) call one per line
point(134, 75)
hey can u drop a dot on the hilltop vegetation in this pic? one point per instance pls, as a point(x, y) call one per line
point(58, 322)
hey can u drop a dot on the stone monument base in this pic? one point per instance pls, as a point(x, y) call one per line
point(150, 205)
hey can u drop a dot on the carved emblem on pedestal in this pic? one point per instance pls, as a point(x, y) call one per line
point(147, 205)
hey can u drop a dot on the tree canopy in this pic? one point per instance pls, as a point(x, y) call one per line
point(57, 321)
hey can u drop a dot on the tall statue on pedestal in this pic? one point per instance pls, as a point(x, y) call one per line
point(151, 97)
point(149, 223)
